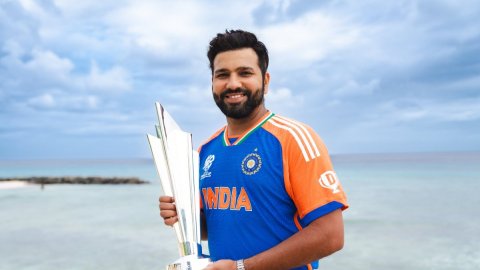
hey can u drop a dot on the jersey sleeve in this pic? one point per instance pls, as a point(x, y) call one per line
point(310, 178)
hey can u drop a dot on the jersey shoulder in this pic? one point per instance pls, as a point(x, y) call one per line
point(296, 136)
point(213, 137)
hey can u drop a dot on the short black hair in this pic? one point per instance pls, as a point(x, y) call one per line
point(238, 39)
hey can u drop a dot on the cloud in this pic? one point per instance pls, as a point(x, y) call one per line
point(51, 101)
point(105, 129)
point(462, 110)
point(283, 101)
point(29, 72)
point(44, 62)
point(380, 70)
point(155, 26)
point(43, 101)
point(114, 79)
point(308, 39)
point(354, 88)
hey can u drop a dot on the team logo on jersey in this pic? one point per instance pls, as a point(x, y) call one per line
point(206, 166)
point(329, 180)
point(251, 164)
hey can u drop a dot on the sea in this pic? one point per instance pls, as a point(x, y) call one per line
point(412, 211)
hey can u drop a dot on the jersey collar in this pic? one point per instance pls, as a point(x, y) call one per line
point(226, 141)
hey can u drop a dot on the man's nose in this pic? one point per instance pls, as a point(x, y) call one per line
point(234, 82)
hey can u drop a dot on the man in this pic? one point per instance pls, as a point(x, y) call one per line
point(270, 197)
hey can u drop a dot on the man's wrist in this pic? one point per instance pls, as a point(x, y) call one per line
point(240, 264)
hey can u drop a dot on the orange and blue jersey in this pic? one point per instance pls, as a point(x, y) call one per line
point(264, 186)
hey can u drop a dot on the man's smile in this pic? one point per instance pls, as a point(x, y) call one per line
point(235, 97)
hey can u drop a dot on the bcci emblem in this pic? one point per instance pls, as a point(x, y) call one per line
point(251, 164)
point(206, 166)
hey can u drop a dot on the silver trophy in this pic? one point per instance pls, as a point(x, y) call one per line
point(177, 165)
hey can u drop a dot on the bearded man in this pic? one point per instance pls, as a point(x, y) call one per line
point(270, 196)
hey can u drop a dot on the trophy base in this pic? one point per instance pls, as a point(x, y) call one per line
point(190, 262)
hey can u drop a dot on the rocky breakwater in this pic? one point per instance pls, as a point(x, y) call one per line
point(78, 180)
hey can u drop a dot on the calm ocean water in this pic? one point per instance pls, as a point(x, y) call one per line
point(418, 211)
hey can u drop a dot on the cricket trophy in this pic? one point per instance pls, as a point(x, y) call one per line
point(177, 166)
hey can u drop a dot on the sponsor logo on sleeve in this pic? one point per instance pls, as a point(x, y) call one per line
point(206, 167)
point(329, 180)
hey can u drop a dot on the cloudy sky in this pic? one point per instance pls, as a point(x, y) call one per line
point(78, 79)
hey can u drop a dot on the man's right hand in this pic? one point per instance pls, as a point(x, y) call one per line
point(168, 210)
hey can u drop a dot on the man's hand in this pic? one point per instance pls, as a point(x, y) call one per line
point(168, 211)
point(222, 265)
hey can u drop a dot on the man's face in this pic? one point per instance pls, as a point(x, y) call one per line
point(237, 84)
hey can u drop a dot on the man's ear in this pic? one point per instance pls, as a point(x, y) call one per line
point(266, 82)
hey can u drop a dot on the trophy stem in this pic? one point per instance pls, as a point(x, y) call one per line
point(187, 248)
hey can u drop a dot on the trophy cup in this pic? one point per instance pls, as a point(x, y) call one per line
point(177, 166)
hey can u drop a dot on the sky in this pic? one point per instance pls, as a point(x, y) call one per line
point(78, 79)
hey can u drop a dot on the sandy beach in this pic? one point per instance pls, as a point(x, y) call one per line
point(13, 184)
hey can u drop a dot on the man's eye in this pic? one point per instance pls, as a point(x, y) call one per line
point(221, 75)
point(246, 73)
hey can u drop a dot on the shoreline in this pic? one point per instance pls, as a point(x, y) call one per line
point(16, 182)
point(13, 184)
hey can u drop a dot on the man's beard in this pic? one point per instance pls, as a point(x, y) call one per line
point(240, 110)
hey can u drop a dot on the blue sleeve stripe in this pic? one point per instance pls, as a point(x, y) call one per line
point(319, 212)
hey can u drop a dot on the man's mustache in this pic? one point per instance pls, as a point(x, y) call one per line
point(235, 91)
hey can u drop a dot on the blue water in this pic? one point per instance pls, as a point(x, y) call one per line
point(408, 211)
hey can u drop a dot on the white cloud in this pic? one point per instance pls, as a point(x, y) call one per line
point(283, 101)
point(347, 62)
point(177, 28)
point(59, 101)
point(32, 7)
point(50, 64)
point(13, 48)
point(42, 101)
point(461, 110)
point(457, 111)
point(284, 97)
point(308, 39)
point(192, 95)
point(116, 79)
point(94, 128)
point(39, 70)
point(27, 72)
point(354, 88)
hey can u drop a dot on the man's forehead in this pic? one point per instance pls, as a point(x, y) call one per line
point(234, 59)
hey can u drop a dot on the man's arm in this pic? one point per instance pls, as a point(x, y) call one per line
point(319, 239)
